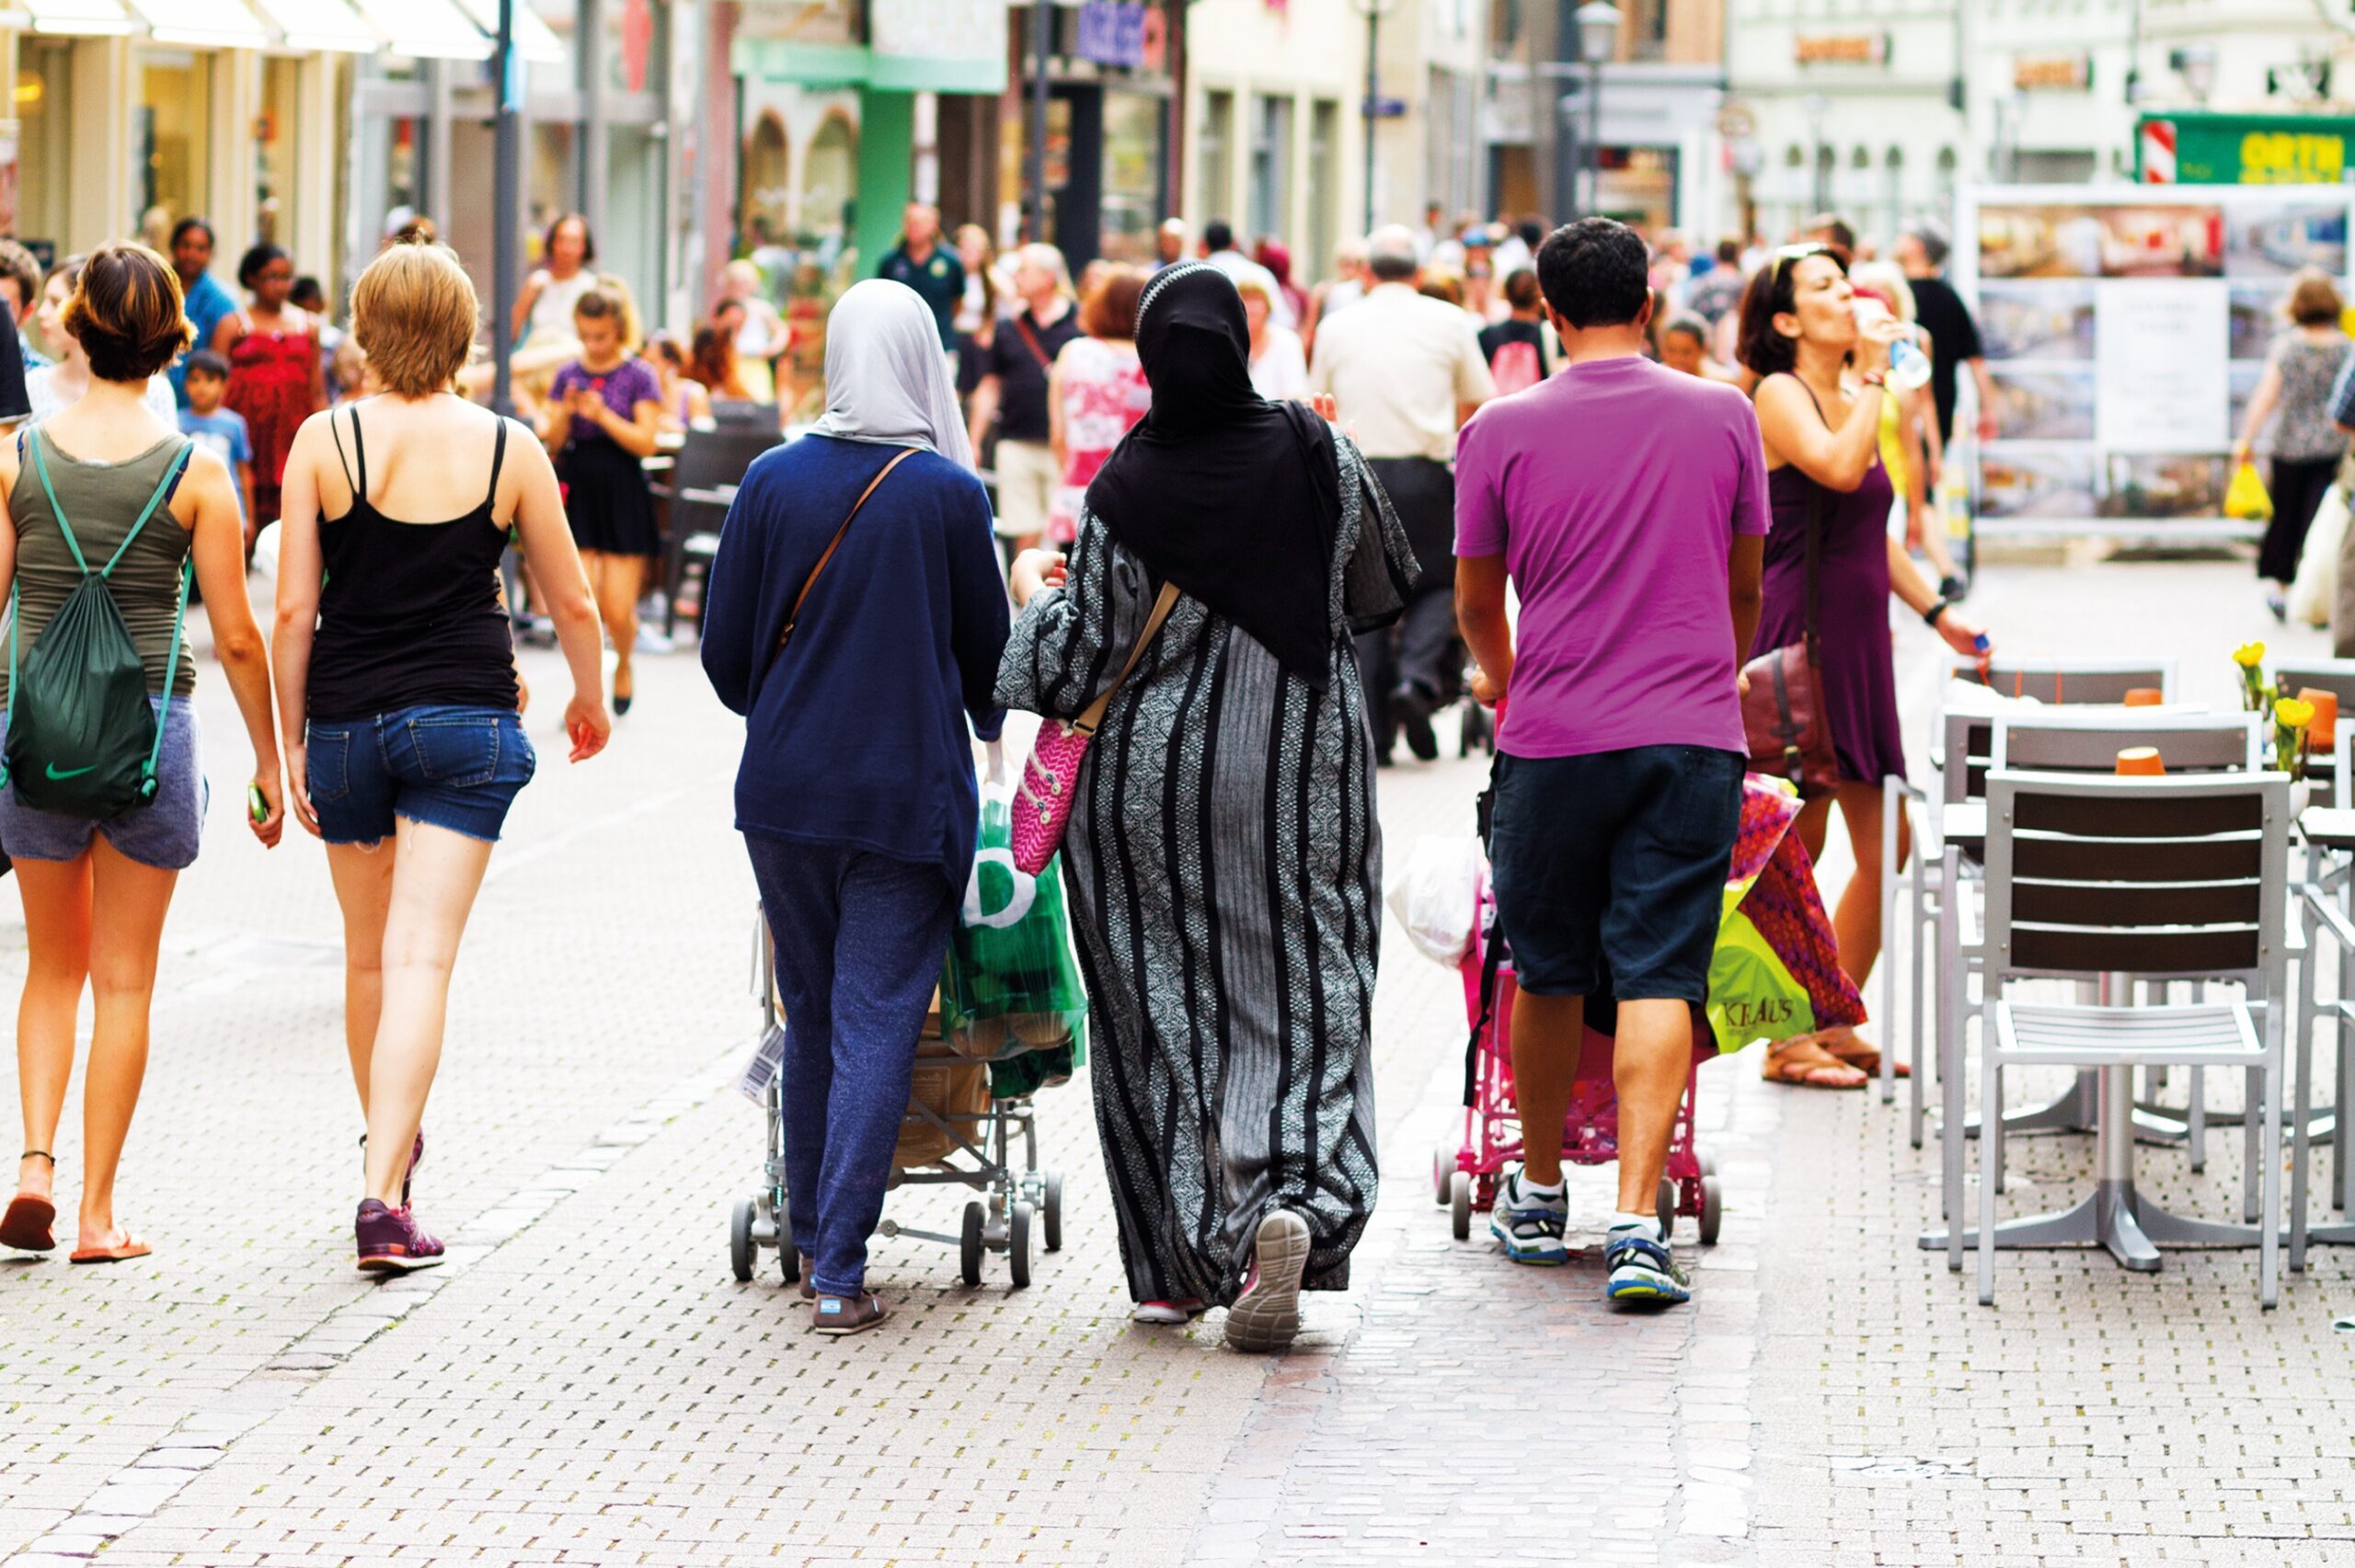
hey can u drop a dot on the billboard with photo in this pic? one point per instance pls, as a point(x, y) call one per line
point(2124, 330)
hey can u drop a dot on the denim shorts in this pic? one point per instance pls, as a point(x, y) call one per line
point(448, 767)
point(164, 833)
point(1611, 868)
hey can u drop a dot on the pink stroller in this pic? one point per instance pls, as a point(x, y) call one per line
point(1465, 1178)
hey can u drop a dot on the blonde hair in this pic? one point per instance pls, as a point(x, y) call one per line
point(2313, 299)
point(413, 313)
point(1045, 256)
point(625, 308)
point(1886, 280)
point(126, 313)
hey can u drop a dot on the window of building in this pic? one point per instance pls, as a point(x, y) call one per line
point(169, 139)
point(277, 185)
point(1216, 147)
point(1323, 207)
point(1131, 202)
point(45, 131)
point(1270, 168)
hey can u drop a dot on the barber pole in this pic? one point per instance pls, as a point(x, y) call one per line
point(2158, 149)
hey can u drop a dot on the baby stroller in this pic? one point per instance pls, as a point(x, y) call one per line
point(1464, 1178)
point(957, 1131)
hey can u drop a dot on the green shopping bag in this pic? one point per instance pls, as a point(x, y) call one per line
point(1753, 993)
point(1010, 985)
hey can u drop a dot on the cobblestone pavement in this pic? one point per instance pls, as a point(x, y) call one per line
point(586, 1384)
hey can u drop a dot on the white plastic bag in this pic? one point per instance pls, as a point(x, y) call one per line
point(2317, 580)
point(1437, 898)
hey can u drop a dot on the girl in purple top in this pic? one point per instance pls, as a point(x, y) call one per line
point(604, 411)
point(1822, 429)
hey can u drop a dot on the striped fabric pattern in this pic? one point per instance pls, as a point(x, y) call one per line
point(1224, 867)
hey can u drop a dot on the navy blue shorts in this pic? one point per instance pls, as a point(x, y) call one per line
point(1611, 868)
point(448, 767)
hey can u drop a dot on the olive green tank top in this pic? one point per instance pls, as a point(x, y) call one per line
point(101, 501)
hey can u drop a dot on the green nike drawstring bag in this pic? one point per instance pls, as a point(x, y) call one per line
point(83, 737)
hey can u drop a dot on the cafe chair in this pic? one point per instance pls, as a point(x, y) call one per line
point(2108, 882)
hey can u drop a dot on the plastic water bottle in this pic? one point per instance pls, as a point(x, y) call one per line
point(1909, 368)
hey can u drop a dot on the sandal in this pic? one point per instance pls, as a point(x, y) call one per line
point(1844, 1045)
point(1803, 1063)
point(27, 1227)
point(129, 1246)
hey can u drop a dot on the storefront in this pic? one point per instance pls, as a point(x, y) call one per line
point(132, 114)
point(1111, 120)
point(597, 130)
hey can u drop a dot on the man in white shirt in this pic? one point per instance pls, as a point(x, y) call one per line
point(1218, 250)
point(1405, 370)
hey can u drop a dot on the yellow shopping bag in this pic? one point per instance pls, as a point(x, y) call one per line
point(2244, 499)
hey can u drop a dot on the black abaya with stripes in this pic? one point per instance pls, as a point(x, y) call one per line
point(1224, 866)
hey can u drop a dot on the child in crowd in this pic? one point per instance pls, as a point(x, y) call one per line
point(603, 413)
point(220, 431)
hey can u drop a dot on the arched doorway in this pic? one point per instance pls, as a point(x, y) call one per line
point(829, 184)
point(765, 187)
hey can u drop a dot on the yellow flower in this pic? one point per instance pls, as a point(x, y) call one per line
point(2291, 713)
point(2248, 656)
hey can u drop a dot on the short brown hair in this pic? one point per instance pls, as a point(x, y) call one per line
point(2313, 299)
point(1521, 289)
point(1111, 309)
point(415, 313)
point(126, 313)
point(18, 262)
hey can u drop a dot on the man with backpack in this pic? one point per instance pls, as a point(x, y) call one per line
point(1405, 370)
point(1521, 350)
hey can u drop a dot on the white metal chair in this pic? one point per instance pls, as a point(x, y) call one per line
point(2112, 881)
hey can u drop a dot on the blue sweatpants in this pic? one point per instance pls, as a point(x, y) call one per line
point(859, 940)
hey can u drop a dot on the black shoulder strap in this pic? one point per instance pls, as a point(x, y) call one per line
point(359, 452)
point(498, 456)
point(341, 461)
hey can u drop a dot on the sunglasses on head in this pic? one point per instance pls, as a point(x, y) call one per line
point(1791, 254)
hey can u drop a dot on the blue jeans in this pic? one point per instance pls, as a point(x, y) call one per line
point(859, 940)
point(458, 767)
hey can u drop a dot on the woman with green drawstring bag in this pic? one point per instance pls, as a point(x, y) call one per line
point(110, 516)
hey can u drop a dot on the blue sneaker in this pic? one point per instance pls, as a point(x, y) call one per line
point(1642, 1269)
point(1530, 1227)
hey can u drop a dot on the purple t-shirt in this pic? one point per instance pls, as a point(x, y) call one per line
point(623, 387)
point(1614, 491)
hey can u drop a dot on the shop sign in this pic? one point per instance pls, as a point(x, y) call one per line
point(938, 29)
point(1840, 49)
point(1112, 33)
point(2052, 72)
point(2243, 149)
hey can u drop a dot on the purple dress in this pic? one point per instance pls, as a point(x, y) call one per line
point(1859, 670)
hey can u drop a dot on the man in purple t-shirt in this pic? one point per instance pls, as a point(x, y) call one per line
point(1627, 504)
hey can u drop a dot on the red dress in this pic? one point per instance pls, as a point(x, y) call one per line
point(270, 383)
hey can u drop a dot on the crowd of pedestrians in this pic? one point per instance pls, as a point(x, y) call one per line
point(1246, 535)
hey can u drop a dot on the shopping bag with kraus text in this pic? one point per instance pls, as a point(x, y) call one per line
point(1010, 984)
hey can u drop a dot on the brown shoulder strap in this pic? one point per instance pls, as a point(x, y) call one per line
point(1092, 718)
point(833, 545)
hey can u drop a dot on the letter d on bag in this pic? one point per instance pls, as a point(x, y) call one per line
point(1025, 892)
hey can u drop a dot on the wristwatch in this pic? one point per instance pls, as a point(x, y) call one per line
point(1937, 608)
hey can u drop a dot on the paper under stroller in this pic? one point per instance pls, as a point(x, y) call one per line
point(972, 1130)
point(1464, 1176)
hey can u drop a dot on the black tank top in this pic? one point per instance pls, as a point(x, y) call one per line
point(409, 616)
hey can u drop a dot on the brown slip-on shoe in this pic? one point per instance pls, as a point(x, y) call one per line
point(839, 1315)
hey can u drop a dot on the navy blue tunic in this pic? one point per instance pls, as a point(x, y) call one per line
point(856, 735)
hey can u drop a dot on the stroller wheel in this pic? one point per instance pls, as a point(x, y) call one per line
point(969, 1251)
point(1017, 1245)
point(1712, 1210)
point(740, 1242)
point(1050, 1211)
point(788, 1259)
point(1442, 1174)
point(1665, 1205)
point(1459, 1206)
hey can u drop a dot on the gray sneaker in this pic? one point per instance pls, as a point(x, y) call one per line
point(1531, 1227)
point(1267, 1315)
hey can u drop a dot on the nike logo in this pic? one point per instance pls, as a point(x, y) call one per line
point(71, 773)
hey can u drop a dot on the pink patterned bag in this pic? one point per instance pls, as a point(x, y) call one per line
point(1042, 804)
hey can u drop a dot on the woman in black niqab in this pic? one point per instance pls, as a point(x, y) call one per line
point(1231, 497)
point(1222, 859)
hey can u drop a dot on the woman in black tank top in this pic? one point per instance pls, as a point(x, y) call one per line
point(397, 685)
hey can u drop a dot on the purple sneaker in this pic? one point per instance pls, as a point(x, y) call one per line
point(390, 1241)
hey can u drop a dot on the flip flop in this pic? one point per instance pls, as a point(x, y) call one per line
point(1802, 1064)
point(1865, 1058)
point(131, 1246)
point(26, 1227)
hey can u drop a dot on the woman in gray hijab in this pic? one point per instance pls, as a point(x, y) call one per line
point(854, 617)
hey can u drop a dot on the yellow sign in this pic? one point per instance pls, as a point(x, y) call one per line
point(2292, 157)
